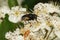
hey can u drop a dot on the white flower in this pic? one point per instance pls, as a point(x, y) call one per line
point(17, 31)
point(56, 22)
point(2, 15)
point(17, 8)
point(14, 35)
point(49, 7)
point(8, 35)
point(5, 10)
point(45, 21)
point(40, 8)
point(57, 33)
point(15, 19)
point(46, 8)
point(52, 8)
point(16, 13)
point(19, 37)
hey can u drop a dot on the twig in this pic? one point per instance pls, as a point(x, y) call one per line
point(49, 33)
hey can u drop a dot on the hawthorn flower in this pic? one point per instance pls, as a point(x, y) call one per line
point(39, 8)
point(20, 38)
point(16, 13)
point(14, 35)
point(17, 31)
point(57, 32)
point(45, 8)
point(5, 10)
point(2, 16)
point(8, 35)
point(56, 22)
point(45, 27)
point(52, 8)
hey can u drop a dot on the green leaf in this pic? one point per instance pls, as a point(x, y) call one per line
point(21, 24)
point(6, 26)
point(12, 3)
point(31, 3)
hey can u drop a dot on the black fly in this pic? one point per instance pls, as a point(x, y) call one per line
point(28, 17)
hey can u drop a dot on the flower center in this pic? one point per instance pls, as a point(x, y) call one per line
point(17, 13)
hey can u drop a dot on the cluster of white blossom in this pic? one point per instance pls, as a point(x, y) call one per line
point(46, 8)
point(15, 13)
point(3, 10)
point(46, 27)
point(14, 35)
